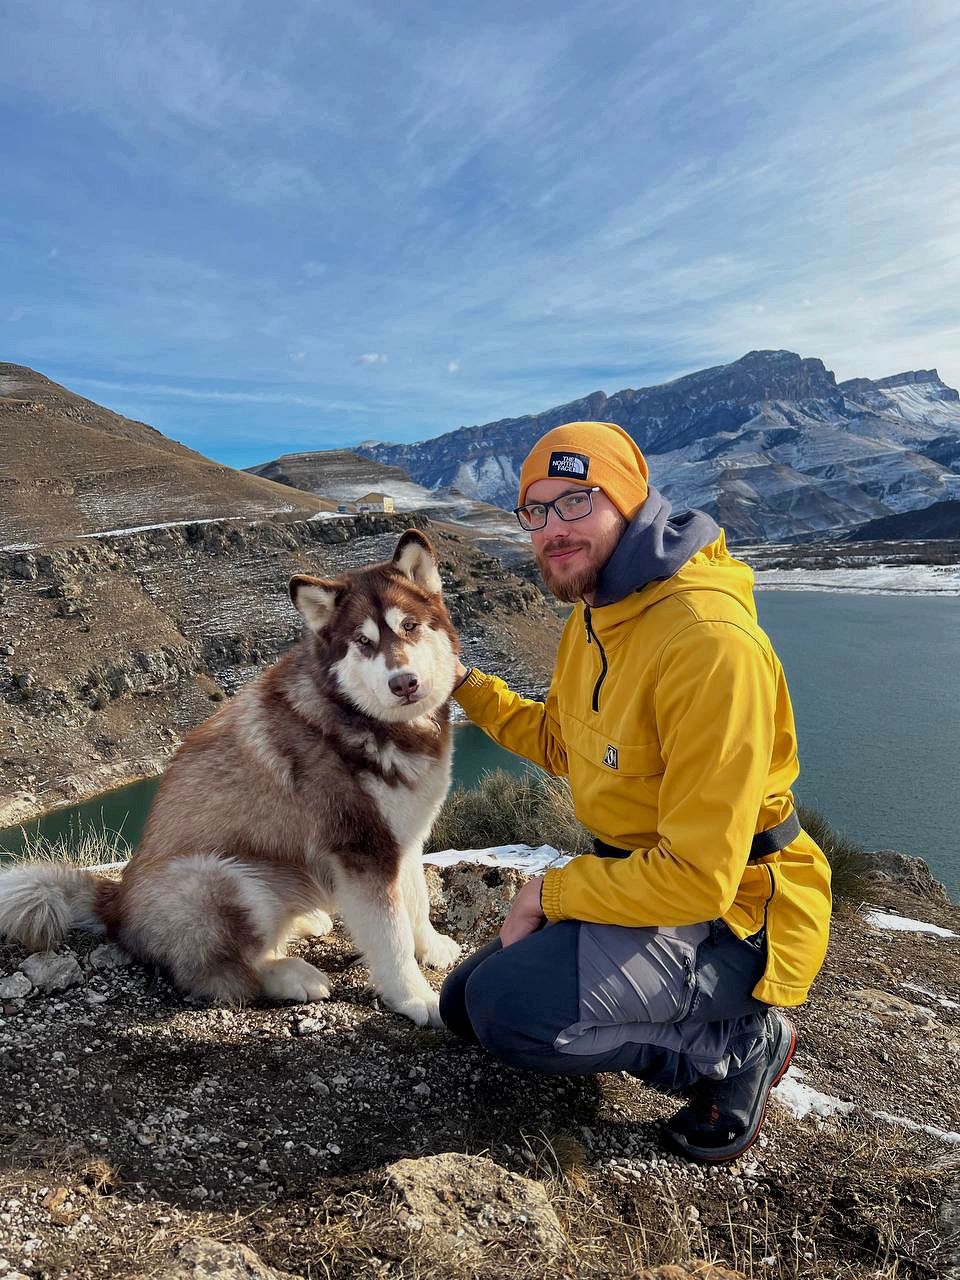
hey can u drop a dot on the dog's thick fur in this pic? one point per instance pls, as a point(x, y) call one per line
point(312, 791)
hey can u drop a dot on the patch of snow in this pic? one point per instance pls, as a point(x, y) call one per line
point(802, 1100)
point(942, 1135)
point(903, 924)
point(21, 546)
point(880, 579)
point(931, 995)
point(521, 856)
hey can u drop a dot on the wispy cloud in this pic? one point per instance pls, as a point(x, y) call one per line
point(607, 200)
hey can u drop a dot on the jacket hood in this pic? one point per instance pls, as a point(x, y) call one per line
point(654, 546)
point(662, 555)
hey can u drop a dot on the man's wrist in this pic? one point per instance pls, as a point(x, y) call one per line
point(463, 679)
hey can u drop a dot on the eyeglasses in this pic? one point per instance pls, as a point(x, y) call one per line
point(569, 506)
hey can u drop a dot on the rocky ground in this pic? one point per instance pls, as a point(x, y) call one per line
point(142, 1136)
point(112, 649)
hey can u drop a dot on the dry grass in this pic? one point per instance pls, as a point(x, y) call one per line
point(849, 861)
point(87, 848)
point(528, 808)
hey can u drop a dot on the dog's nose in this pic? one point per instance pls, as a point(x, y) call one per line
point(404, 684)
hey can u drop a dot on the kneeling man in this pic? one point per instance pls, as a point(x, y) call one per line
point(705, 907)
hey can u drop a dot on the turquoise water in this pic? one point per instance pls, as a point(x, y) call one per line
point(876, 695)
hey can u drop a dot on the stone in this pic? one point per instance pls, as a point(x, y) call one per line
point(108, 956)
point(51, 972)
point(205, 1259)
point(888, 1006)
point(17, 987)
point(893, 867)
point(469, 901)
point(468, 1209)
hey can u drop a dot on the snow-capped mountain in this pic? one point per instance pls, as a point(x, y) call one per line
point(771, 445)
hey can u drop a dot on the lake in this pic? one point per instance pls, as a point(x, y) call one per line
point(876, 695)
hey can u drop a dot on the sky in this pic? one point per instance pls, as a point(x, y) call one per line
point(266, 229)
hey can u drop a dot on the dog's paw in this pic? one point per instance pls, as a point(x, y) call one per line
point(315, 925)
point(423, 1010)
point(438, 951)
point(294, 979)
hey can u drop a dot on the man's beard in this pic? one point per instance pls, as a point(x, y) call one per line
point(569, 588)
point(572, 587)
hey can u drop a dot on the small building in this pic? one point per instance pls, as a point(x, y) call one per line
point(375, 502)
point(347, 508)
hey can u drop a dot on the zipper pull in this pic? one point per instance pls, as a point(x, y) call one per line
point(586, 619)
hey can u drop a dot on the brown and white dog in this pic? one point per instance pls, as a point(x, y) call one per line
point(312, 791)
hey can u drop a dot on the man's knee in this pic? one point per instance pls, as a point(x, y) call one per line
point(521, 999)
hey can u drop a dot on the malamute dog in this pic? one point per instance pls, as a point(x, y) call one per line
point(312, 791)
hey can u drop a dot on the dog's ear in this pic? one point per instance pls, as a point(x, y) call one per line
point(316, 598)
point(416, 558)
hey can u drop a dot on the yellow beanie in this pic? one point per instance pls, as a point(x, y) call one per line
point(590, 453)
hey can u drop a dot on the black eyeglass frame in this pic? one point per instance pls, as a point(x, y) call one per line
point(553, 503)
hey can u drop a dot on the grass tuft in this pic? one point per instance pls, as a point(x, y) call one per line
point(850, 863)
point(91, 847)
point(505, 808)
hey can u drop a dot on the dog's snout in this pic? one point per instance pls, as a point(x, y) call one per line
point(404, 684)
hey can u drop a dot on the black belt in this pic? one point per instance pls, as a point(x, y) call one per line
point(764, 842)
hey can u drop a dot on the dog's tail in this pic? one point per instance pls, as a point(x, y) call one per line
point(41, 902)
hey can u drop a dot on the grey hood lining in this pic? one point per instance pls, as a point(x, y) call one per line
point(654, 546)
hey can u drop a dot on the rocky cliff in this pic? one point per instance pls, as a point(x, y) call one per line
point(111, 649)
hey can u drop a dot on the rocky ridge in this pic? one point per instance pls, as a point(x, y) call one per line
point(71, 467)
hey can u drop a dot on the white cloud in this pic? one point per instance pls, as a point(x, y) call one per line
point(298, 357)
point(453, 366)
point(373, 357)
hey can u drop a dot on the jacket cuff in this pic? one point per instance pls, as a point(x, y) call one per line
point(550, 893)
point(468, 693)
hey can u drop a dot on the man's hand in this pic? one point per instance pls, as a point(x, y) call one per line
point(462, 672)
point(526, 915)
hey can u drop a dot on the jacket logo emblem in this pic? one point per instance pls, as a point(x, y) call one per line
point(568, 464)
point(610, 757)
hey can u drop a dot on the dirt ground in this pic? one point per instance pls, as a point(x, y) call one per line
point(131, 1120)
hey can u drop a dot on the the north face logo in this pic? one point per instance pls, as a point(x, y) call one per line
point(610, 757)
point(568, 464)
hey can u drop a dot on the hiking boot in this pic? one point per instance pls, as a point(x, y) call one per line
point(724, 1117)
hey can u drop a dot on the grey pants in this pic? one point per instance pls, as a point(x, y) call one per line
point(670, 1006)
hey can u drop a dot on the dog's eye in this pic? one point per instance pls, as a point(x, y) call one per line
point(363, 641)
point(409, 625)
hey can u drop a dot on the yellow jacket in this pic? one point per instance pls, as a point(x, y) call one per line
point(669, 713)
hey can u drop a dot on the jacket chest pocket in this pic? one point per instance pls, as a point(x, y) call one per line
point(612, 756)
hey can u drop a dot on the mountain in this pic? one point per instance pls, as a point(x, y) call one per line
point(939, 520)
point(69, 467)
point(771, 445)
point(345, 475)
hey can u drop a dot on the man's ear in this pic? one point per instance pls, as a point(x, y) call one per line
point(316, 599)
point(416, 558)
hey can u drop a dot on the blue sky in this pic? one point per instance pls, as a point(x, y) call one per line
point(270, 228)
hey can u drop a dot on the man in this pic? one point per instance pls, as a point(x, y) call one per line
point(704, 905)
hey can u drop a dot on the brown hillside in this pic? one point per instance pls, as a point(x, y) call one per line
point(70, 467)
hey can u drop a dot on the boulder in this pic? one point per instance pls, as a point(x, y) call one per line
point(470, 902)
point(893, 867)
point(51, 972)
point(466, 1208)
point(16, 987)
point(205, 1259)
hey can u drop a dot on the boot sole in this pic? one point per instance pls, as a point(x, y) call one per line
point(724, 1155)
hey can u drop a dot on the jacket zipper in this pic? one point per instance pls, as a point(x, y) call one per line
point(592, 639)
